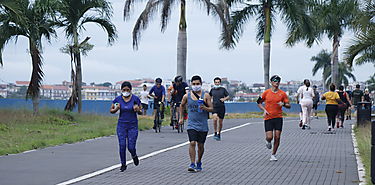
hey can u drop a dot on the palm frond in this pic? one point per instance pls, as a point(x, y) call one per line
point(238, 21)
point(166, 13)
point(364, 45)
point(144, 19)
point(106, 24)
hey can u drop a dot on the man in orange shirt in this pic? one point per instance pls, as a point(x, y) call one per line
point(274, 99)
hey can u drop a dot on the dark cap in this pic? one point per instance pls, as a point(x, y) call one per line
point(126, 84)
point(275, 78)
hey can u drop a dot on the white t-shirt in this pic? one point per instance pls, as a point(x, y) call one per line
point(306, 94)
point(144, 97)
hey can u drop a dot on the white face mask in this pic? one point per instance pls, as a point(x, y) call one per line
point(126, 94)
point(196, 87)
point(217, 86)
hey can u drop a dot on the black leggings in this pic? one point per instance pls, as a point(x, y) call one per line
point(331, 111)
point(342, 115)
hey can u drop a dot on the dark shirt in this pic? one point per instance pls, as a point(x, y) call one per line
point(217, 94)
point(179, 92)
point(127, 113)
point(316, 97)
point(159, 92)
point(367, 98)
point(357, 96)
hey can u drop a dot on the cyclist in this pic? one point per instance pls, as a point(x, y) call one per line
point(158, 93)
point(178, 91)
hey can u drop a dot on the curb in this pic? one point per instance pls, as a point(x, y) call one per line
point(360, 166)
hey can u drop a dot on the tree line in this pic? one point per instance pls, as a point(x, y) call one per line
point(307, 21)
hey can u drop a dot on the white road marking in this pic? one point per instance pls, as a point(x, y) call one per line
point(90, 175)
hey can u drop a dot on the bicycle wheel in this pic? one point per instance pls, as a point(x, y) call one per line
point(157, 121)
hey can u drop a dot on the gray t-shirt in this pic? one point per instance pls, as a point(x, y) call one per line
point(217, 94)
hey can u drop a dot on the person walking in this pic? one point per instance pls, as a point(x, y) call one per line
point(357, 95)
point(219, 95)
point(198, 105)
point(307, 95)
point(367, 98)
point(127, 125)
point(332, 100)
point(315, 101)
point(274, 99)
point(342, 107)
point(144, 99)
point(349, 109)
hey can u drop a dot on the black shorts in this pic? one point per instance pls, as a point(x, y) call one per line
point(220, 111)
point(273, 124)
point(315, 106)
point(197, 136)
point(144, 106)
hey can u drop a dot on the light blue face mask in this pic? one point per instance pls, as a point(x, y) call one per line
point(196, 88)
point(217, 86)
point(126, 94)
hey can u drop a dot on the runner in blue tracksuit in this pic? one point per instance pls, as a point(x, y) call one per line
point(127, 126)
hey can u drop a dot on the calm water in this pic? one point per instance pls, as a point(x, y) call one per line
point(102, 107)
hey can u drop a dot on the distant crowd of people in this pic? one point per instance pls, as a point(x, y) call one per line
point(196, 104)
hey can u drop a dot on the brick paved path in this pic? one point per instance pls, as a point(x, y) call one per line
point(305, 157)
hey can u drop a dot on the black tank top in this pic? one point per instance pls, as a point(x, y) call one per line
point(343, 97)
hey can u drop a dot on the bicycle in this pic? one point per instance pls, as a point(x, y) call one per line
point(176, 118)
point(158, 120)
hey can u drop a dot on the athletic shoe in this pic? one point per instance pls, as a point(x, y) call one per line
point(218, 138)
point(308, 127)
point(268, 145)
point(329, 129)
point(303, 127)
point(123, 167)
point(300, 123)
point(136, 160)
point(171, 124)
point(191, 168)
point(273, 158)
point(199, 167)
point(215, 137)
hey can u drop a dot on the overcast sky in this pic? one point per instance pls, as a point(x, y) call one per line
point(156, 56)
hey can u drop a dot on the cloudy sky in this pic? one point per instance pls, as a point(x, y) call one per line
point(156, 56)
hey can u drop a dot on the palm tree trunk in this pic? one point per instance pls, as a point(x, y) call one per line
point(182, 42)
point(335, 61)
point(36, 77)
point(267, 46)
point(77, 57)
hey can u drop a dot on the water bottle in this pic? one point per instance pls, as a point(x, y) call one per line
point(200, 102)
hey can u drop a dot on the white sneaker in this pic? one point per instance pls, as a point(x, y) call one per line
point(268, 145)
point(273, 158)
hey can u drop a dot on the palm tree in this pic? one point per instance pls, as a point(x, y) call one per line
point(36, 23)
point(331, 18)
point(75, 15)
point(323, 61)
point(165, 6)
point(364, 43)
point(292, 13)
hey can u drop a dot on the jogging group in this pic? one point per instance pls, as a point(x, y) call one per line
point(198, 103)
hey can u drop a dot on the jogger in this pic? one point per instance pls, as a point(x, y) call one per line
point(127, 125)
point(307, 94)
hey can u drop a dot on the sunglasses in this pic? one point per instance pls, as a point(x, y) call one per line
point(276, 80)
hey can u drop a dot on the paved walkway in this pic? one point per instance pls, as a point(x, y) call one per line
point(305, 157)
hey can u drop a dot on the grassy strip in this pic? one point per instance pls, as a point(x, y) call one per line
point(21, 131)
point(363, 135)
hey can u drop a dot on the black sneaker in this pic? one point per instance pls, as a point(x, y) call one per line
point(136, 160)
point(123, 167)
point(303, 127)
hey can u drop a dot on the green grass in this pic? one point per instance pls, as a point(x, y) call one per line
point(21, 131)
point(363, 135)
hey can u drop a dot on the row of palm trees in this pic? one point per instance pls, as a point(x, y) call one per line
point(38, 20)
point(306, 20)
